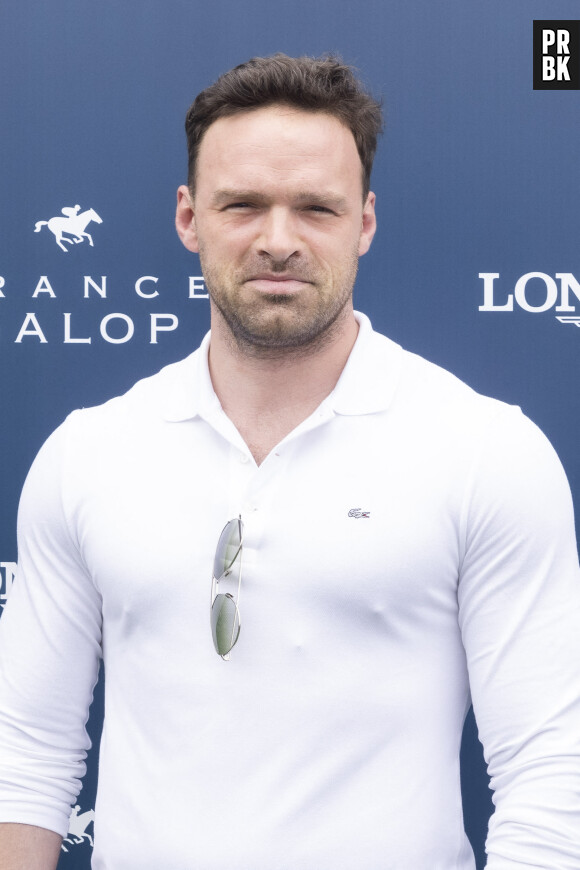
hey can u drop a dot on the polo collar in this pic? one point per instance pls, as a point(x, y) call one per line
point(366, 385)
point(371, 374)
point(190, 392)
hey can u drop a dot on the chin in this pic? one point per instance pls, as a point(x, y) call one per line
point(279, 332)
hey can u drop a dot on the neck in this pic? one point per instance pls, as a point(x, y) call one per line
point(268, 392)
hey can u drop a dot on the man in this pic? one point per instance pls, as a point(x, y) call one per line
point(393, 545)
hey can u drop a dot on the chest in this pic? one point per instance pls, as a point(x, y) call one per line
point(343, 527)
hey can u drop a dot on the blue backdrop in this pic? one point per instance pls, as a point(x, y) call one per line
point(478, 175)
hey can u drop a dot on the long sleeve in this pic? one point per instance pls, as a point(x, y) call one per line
point(50, 637)
point(519, 598)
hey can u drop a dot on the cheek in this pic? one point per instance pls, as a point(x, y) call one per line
point(233, 247)
point(218, 250)
point(339, 256)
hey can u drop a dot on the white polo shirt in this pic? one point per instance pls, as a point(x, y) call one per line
point(409, 540)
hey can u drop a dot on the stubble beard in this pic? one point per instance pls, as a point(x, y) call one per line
point(279, 326)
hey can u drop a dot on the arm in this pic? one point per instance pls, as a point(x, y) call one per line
point(519, 597)
point(26, 847)
point(50, 635)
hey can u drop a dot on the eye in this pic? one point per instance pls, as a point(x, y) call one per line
point(319, 209)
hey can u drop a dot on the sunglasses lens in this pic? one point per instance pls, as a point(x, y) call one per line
point(228, 548)
point(225, 623)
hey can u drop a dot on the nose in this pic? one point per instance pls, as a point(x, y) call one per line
point(278, 234)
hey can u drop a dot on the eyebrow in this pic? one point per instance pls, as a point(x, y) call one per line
point(329, 199)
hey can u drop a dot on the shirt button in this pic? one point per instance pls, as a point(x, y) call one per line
point(244, 458)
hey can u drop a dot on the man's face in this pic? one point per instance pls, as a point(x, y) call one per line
point(279, 222)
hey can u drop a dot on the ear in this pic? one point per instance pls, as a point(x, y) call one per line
point(369, 224)
point(185, 219)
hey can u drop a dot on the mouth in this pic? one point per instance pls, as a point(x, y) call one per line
point(266, 282)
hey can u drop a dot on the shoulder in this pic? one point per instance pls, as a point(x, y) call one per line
point(444, 414)
point(92, 442)
point(426, 394)
point(435, 387)
point(147, 402)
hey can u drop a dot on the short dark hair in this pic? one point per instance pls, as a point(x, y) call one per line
point(323, 84)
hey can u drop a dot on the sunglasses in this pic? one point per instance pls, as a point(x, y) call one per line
point(227, 571)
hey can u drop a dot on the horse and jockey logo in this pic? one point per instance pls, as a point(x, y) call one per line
point(73, 224)
point(77, 828)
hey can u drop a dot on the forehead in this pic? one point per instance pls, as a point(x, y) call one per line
point(277, 144)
